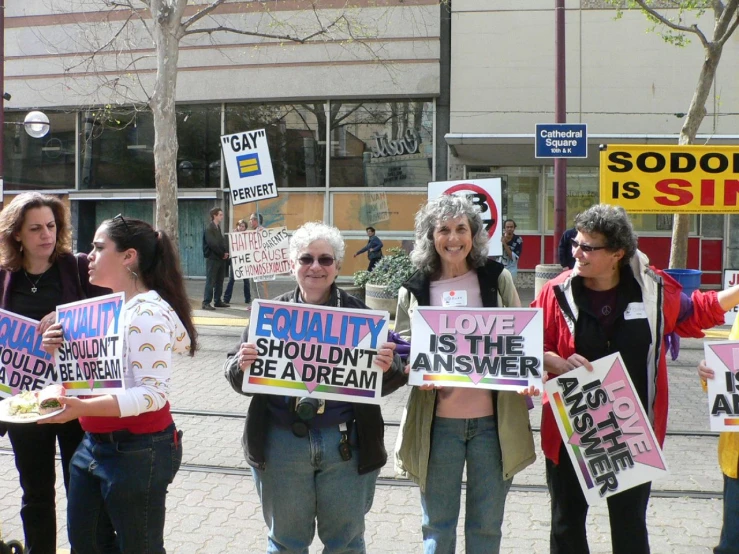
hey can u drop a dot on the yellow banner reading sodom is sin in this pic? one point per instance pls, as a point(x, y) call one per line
point(648, 178)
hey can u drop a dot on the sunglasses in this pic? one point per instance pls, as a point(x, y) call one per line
point(325, 260)
point(585, 247)
point(120, 216)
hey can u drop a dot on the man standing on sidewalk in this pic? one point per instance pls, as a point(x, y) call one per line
point(216, 256)
point(373, 248)
point(512, 247)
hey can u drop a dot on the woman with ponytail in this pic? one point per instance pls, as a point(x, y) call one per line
point(131, 450)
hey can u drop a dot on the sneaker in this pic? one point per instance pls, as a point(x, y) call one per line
point(208, 307)
point(222, 305)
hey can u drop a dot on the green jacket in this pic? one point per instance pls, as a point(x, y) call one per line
point(413, 446)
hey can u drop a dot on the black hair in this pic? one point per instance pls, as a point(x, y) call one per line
point(370, 229)
point(214, 212)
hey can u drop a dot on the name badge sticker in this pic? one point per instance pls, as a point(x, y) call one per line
point(454, 298)
point(635, 310)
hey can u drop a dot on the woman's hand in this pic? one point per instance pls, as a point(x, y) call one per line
point(52, 338)
point(247, 355)
point(73, 409)
point(384, 357)
point(530, 391)
point(557, 365)
point(46, 322)
point(705, 372)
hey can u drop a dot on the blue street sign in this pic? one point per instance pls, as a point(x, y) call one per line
point(561, 140)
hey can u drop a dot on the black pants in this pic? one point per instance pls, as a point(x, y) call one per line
point(627, 512)
point(215, 272)
point(373, 263)
point(34, 447)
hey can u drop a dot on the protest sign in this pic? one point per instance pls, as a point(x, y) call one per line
point(259, 253)
point(249, 166)
point(23, 364)
point(315, 351)
point(90, 360)
point(723, 390)
point(604, 427)
point(484, 348)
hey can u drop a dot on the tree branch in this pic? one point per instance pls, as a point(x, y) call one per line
point(202, 13)
point(682, 28)
point(724, 26)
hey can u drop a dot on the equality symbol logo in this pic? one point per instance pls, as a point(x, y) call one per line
point(249, 165)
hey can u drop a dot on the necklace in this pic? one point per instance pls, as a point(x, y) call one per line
point(34, 286)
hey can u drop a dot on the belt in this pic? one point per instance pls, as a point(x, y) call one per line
point(113, 436)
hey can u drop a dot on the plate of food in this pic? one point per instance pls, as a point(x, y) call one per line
point(30, 407)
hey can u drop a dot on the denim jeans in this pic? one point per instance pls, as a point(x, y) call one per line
point(34, 447)
point(304, 481)
point(118, 489)
point(729, 542)
point(454, 442)
point(215, 272)
point(230, 287)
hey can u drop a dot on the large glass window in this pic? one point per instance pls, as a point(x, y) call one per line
point(116, 150)
point(519, 193)
point(383, 211)
point(290, 209)
point(296, 134)
point(381, 144)
point(39, 163)
point(582, 192)
point(199, 153)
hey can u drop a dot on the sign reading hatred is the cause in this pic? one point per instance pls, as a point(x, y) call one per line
point(723, 389)
point(249, 166)
point(485, 348)
point(316, 351)
point(259, 253)
point(90, 359)
point(649, 178)
point(23, 363)
point(483, 193)
point(605, 429)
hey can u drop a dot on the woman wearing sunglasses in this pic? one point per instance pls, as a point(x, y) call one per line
point(302, 474)
point(613, 301)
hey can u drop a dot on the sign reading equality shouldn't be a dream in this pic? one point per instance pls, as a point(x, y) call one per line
point(484, 348)
point(259, 253)
point(90, 359)
point(605, 430)
point(249, 166)
point(316, 351)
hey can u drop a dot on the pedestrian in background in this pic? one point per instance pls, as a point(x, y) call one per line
point(215, 252)
point(37, 273)
point(373, 248)
point(240, 228)
point(131, 450)
point(566, 259)
point(512, 247)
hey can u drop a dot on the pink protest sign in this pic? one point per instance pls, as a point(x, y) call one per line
point(606, 432)
point(486, 348)
point(23, 364)
point(90, 360)
point(316, 351)
point(723, 389)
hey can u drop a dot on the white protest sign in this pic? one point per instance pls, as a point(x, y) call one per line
point(731, 278)
point(249, 166)
point(315, 351)
point(605, 429)
point(259, 253)
point(486, 195)
point(90, 360)
point(484, 348)
point(723, 390)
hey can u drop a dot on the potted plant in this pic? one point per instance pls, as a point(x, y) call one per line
point(381, 285)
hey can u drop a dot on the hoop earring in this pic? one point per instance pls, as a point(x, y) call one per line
point(21, 248)
point(132, 272)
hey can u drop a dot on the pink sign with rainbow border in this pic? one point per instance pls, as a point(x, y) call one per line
point(605, 430)
point(316, 351)
point(483, 348)
point(723, 389)
point(90, 360)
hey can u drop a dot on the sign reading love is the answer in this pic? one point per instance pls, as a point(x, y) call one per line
point(316, 351)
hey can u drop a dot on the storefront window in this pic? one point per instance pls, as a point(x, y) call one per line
point(582, 192)
point(290, 209)
point(384, 211)
point(116, 150)
point(519, 193)
point(296, 137)
point(385, 144)
point(199, 153)
point(39, 163)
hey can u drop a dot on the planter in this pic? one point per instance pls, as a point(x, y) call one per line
point(378, 298)
point(356, 292)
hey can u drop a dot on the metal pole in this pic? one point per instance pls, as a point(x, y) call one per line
point(560, 116)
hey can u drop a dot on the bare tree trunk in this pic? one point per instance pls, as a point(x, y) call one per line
point(167, 16)
point(696, 113)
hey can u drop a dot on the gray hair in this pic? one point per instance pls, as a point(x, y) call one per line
point(614, 224)
point(424, 256)
point(312, 231)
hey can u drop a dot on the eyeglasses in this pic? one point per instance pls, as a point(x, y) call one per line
point(325, 260)
point(585, 247)
point(120, 216)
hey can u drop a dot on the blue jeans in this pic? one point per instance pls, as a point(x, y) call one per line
point(304, 481)
point(729, 542)
point(117, 491)
point(454, 442)
point(230, 287)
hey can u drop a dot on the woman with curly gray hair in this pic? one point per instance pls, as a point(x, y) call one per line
point(445, 428)
point(613, 301)
point(319, 471)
